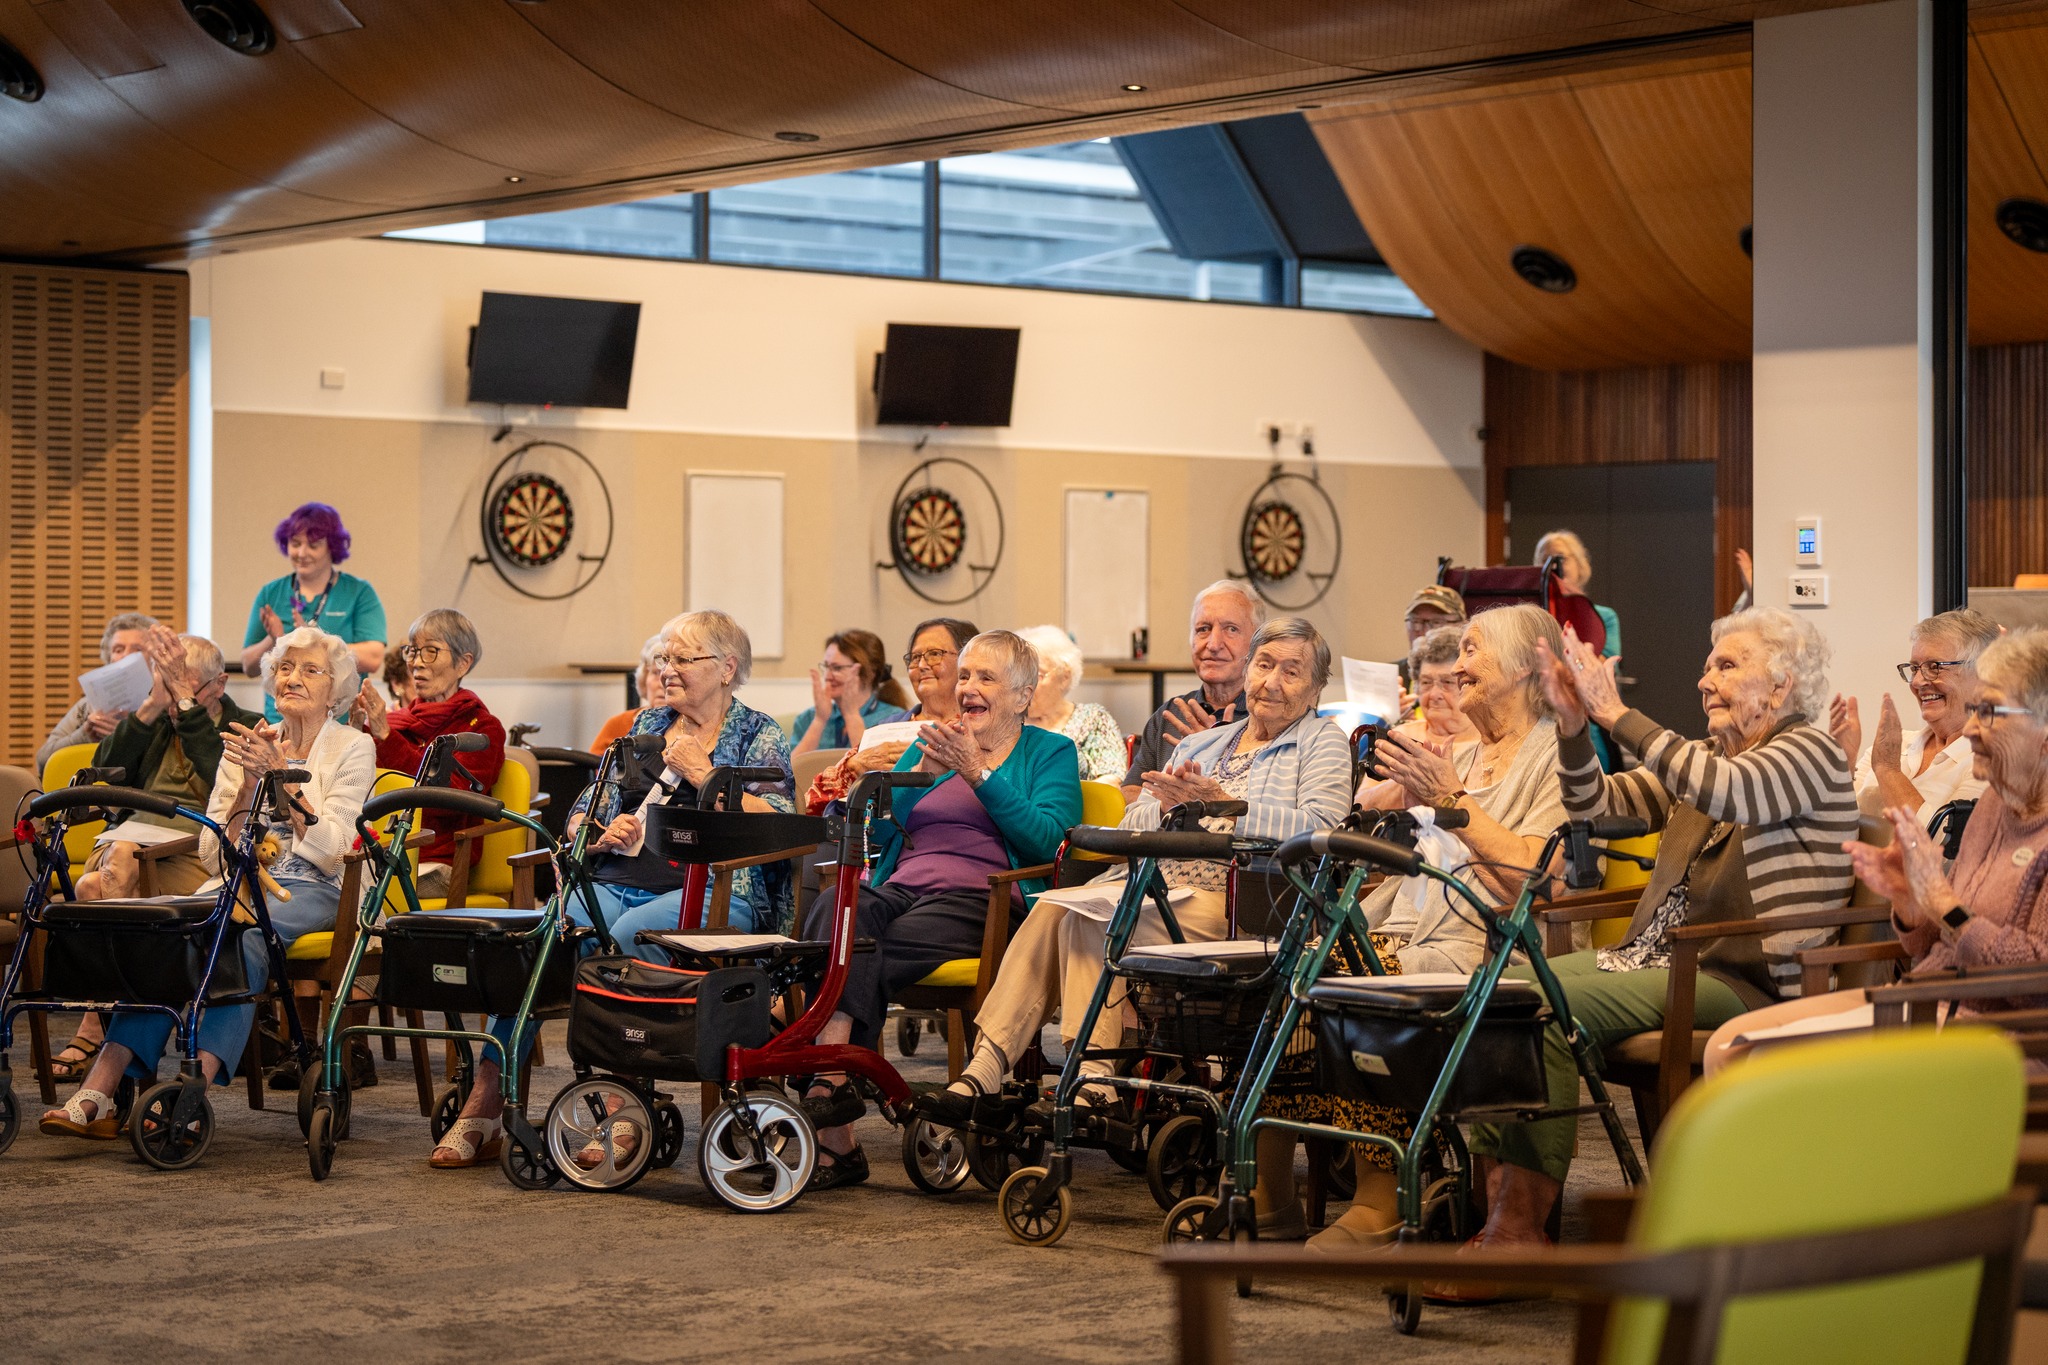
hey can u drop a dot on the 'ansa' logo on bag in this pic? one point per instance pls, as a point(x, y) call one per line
point(634, 1035)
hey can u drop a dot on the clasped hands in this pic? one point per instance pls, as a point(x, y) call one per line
point(1421, 768)
point(1580, 686)
point(1907, 870)
point(1887, 742)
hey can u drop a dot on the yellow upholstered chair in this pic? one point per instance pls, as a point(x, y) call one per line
point(58, 772)
point(481, 876)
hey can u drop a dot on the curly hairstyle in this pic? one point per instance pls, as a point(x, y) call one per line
point(316, 519)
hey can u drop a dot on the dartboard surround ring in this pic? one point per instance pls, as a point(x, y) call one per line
point(1274, 538)
point(930, 531)
point(531, 520)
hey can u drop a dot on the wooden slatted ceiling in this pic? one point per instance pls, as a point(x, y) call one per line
point(2008, 158)
point(92, 395)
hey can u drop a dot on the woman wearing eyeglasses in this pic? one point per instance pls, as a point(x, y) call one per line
point(1922, 770)
point(1990, 909)
point(932, 664)
point(852, 688)
point(440, 650)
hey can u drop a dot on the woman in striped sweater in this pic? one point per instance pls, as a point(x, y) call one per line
point(1753, 819)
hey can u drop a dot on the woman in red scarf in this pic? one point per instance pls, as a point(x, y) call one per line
point(440, 650)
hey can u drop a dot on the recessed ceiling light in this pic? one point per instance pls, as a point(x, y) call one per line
point(514, 179)
point(1134, 88)
point(18, 77)
point(796, 137)
point(237, 24)
point(2025, 221)
point(1546, 270)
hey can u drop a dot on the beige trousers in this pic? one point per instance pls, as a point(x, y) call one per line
point(1054, 960)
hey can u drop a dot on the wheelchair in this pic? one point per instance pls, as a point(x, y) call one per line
point(169, 955)
point(504, 962)
point(1447, 1051)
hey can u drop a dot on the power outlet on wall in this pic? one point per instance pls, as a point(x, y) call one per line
point(1809, 590)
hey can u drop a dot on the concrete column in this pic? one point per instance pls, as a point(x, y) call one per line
point(1843, 419)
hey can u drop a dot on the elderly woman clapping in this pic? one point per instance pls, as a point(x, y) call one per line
point(1004, 795)
point(1290, 766)
point(440, 650)
point(1753, 818)
point(1922, 770)
point(311, 676)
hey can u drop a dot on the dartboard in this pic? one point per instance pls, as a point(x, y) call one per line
point(530, 520)
point(1273, 541)
point(930, 531)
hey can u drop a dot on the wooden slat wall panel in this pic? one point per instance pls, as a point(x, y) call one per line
point(2008, 463)
point(92, 397)
point(1649, 415)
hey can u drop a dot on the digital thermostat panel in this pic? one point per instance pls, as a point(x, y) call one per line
point(1806, 545)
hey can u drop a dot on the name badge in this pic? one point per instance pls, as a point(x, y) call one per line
point(2022, 856)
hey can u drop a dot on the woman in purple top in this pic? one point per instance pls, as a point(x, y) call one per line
point(1004, 795)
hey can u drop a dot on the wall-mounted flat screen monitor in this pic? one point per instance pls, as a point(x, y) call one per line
point(946, 376)
point(566, 353)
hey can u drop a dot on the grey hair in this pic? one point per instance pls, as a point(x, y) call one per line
point(1057, 652)
point(1965, 631)
point(650, 649)
point(720, 634)
point(1512, 633)
point(127, 620)
point(1439, 646)
point(1797, 653)
point(1253, 602)
point(1297, 628)
point(1567, 546)
point(341, 662)
point(203, 656)
point(1020, 660)
point(455, 630)
point(2017, 665)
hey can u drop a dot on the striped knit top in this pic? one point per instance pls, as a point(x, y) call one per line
point(1792, 800)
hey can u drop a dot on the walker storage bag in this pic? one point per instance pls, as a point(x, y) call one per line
point(664, 1023)
point(1385, 1041)
point(121, 959)
point(469, 962)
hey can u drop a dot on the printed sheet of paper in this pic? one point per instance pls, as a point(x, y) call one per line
point(894, 732)
point(121, 685)
point(1373, 687)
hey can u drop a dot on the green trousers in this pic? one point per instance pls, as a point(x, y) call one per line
point(1609, 1006)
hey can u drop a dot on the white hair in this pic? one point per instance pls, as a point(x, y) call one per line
point(203, 656)
point(2017, 665)
point(1966, 632)
point(719, 633)
point(341, 663)
point(1511, 632)
point(1567, 546)
point(1300, 630)
point(1058, 655)
point(1254, 603)
point(1020, 660)
point(1795, 652)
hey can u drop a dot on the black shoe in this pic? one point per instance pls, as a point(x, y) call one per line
point(362, 1067)
point(838, 1168)
point(949, 1108)
point(843, 1106)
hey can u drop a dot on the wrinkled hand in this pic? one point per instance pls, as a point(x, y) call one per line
point(687, 756)
point(620, 833)
point(1599, 691)
point(1845, 724)
point(100, 724)
point(1883, 871)
point(880, 758)
point(1422, 768)
point(1561, 688)
point(1920, 863)
point(367, 712)
point(1177, 786)
point(271, 625)
point(1184, 718)
point(167, 660)
point(948, 748)
point(1887, 745)
point(254, 750)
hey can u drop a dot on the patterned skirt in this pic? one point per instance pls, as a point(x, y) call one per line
point(1296, 1099)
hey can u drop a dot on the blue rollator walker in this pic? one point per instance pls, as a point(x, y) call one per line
point(1449, 1053)
point(169, 955)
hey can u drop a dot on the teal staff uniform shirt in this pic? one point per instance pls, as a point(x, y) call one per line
point(351, 610)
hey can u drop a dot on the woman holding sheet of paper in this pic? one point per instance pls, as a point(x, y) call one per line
point(85, 723)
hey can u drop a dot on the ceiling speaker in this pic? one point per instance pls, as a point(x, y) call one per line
point(18, 79)
point(237, 24)
point(2026, 222)
point(1545, 269)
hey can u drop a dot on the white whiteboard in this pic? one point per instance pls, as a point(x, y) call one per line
point(735, 553)
point(1109, 569)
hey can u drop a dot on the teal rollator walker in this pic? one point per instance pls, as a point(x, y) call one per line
point(455, 962)
point(1447, 1051)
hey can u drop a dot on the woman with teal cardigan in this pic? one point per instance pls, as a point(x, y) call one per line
point(1004, 795)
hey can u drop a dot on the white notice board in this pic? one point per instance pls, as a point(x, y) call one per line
point(735, 553)
point(1109, 568)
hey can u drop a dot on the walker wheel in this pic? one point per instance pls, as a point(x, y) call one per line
point(729, 1168)
point(1047, 1225)
point(669, 1135)
point(320, 1141)
point(1181, 1162)
point(1404, 1309)
point(908, 1033)
point(159, 1141)
point(1185, 1220)
point(934, 1158)
point(584, 1124)
point(447, 1109)
point(10, 1117)
point(344, 1105)
point(525, 1167)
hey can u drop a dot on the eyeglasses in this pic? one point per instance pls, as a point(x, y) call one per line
point(929, 658)
point(679, 662)
point(1987, 711)
point(825, 666)
point(1454, 683)
point(1933, 668)
point(286, 669)
point(422, 654)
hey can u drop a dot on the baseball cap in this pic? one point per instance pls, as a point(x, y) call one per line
point(1437, 597)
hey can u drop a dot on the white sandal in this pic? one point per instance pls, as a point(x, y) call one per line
point(471, 1141)
point(625, 1141)
point(70, 1121)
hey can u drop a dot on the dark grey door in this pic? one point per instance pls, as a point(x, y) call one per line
point(1649, 529)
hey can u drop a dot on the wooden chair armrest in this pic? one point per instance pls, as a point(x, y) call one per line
point(533, 858)
point(170, 848)
point(783, 855)
point(1778, 924)
point(475, 832)
point(357, 855)
point(1022, 874)
point(538, 800)
point(1597, 905)
point(1816, 965)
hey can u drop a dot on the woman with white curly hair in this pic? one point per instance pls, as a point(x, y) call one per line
point(1754, 819)
point(312, 677)
point(1094, 731)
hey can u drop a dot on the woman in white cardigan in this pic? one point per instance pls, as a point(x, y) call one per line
point(312, 676)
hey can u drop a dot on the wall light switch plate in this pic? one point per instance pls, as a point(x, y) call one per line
point(333, 377)
point(1809, 590)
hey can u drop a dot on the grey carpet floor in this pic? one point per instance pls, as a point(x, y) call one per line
point(245, 1256)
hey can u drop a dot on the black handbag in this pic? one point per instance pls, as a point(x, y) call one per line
point(1388, 1046)
point(469, 962)
point(661, 1023)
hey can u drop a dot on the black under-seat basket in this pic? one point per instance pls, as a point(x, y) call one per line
point(144, 952)
point(1385, 1043)
point(663, 1023)
point(470, 962)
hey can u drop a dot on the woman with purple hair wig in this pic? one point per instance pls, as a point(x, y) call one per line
point(316, 593)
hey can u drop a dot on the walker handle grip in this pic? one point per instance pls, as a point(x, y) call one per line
point(1354, 848)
